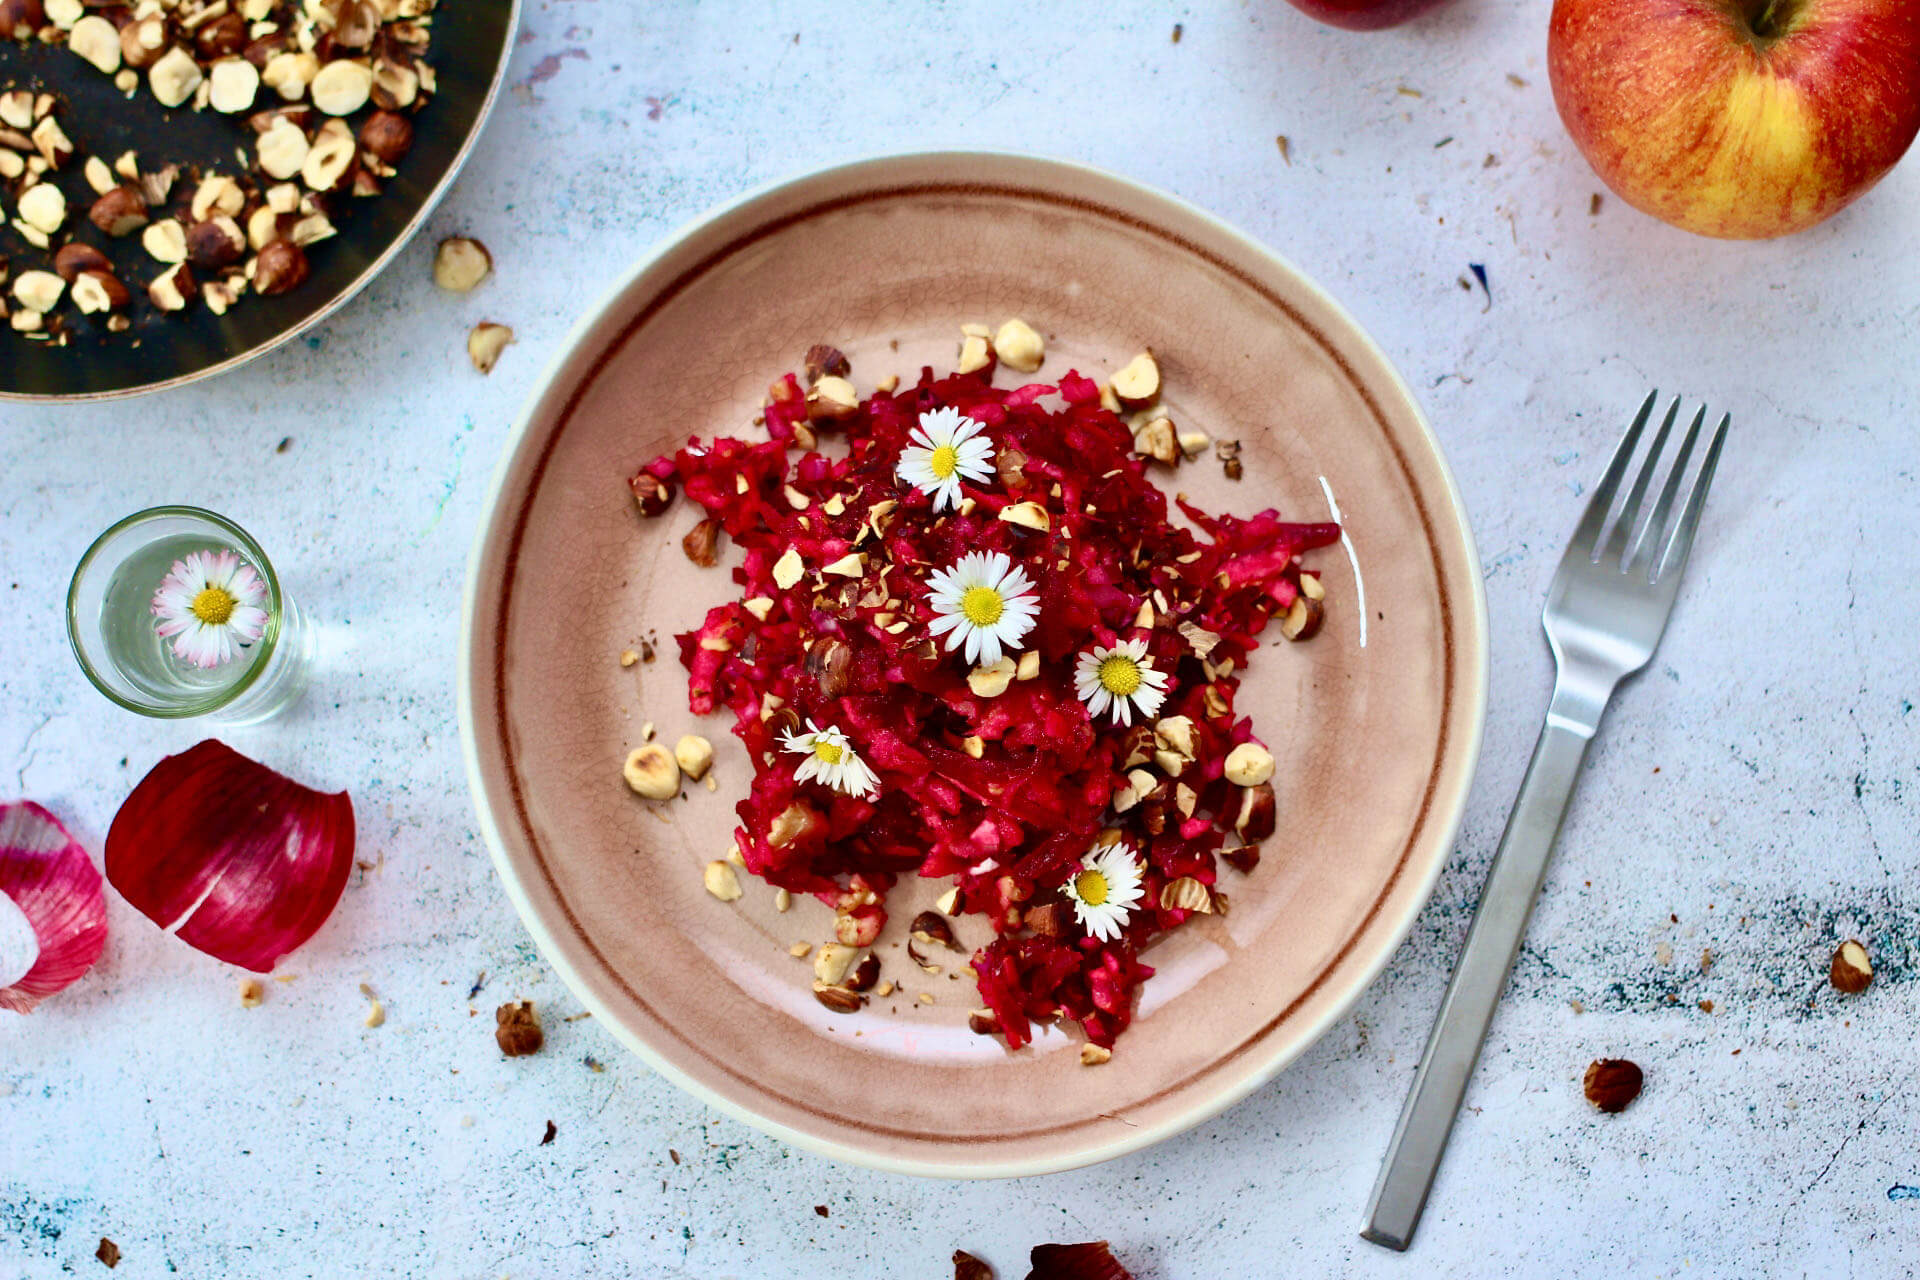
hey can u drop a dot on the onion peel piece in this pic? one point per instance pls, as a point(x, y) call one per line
point(241, 862)
point(47, 875)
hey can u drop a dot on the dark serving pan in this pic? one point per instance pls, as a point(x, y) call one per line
point(471, 42)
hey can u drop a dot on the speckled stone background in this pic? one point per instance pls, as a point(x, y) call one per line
point(1751, 796)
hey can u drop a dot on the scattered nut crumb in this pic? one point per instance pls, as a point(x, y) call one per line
point(924, 998)
point(548, 1136)
point(376, 1013)
point(1092, 1055)
point(628, 657)
point(799, 950)
point(517, 1029)
point(251, 993)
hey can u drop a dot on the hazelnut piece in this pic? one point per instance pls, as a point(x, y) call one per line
point(282, 149)
point(38, 290)
point(825, 361)
point(831, 962)
point(165, 241)
point(141, 42)
point(1186, 894)
point(1249, 765)
point(1027, 515)
point(1303, 618)
point(1156, 440)
point(485, 343)
point(460, 264)
point(174, 78)
point(650, 493)
point(838, 999)
point(280, 268)
point(651, 771)
point(1019, 347)
point(172, 289)
point(1256, 819)
point(1852, 968)
point(1138, 383)
point(694, 754)
point(342, 88)
point(720, 880)
point(217, 242)
point(233, 84)
point(1612, 1083)
point(76, 256)
point(94, 39)
point(975, 354)
point(43, 207)
point(387, 135)
point(992, 681)
point(97, 291)
point(516, 1029)
point(832, 399)
point(1093, 1055)
point(827, 661)
point(330, 159)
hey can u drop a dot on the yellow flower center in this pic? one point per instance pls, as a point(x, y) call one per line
point(214, 606)
point(944, 461)
point(1090, 887)
point(982, 606)
point(1119, 675)
point(827, 752)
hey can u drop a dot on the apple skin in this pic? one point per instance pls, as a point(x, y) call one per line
point(1688, 114)
point(1364, 15)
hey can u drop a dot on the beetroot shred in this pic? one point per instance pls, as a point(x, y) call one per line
point(1002, 793)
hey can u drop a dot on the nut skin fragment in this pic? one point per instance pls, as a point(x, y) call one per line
point(281, 267)
point(1612, 1083)
point(702, 543)
point(460, 264)
point(651, 771)
point(517, 1030)
point(828, 660)
point(1019, 347)
point(721, 881)
point(485, 343)
point(825, 361)
point(694, 754)
point(1138, 383)
point(1249, 765)
point(1852, 969)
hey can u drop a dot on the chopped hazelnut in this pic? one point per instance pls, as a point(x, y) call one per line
point(1249, 765)
point(1138, 383)
point(517, 1029)
point(1612, 1083)
point(720, 880)
point(651, 771)
point(461, 263)
point(485, 342)
point(694, 754)
point(992, 681)
point(1019, 347)
point(1852, 969)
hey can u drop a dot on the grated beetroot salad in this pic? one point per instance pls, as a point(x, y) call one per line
point(1002, 782)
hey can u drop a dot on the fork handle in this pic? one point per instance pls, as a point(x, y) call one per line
point(1498, 924)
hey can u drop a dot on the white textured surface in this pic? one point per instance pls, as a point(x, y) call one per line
point(1752, 794)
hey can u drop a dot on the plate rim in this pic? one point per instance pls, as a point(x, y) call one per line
point(461, 155)
point(1451, 808)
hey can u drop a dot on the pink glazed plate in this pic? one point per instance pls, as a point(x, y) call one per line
point(1376, 721)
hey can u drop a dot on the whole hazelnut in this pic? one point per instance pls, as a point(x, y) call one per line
point(280, 268)
point(1852, 969)
point(388, 135)
point(1612, 1083)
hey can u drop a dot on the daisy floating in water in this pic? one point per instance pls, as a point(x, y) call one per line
point(209, 605)
point(1123, 676)
point(948, 447)
point(985, 602)
point(831, 760)
point(1105, 890)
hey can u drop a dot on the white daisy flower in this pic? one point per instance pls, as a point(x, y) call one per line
point(985, 602)
point(948, 447)
point(209, 605)
point(1105, 890)
point(1123, 676)
point(831, 759)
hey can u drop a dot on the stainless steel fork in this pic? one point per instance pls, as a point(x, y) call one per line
point(1606, 610)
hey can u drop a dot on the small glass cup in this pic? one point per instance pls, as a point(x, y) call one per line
point(115, 630)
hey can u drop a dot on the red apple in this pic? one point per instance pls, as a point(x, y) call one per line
point(1364, 15)
point(1738, 118)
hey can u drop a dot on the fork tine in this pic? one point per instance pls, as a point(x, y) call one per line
point(1653, 534)
point(1587, 535)
point(1630, 510)
point(1688, 520)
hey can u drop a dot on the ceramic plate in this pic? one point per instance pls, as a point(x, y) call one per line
point(1376, 721)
